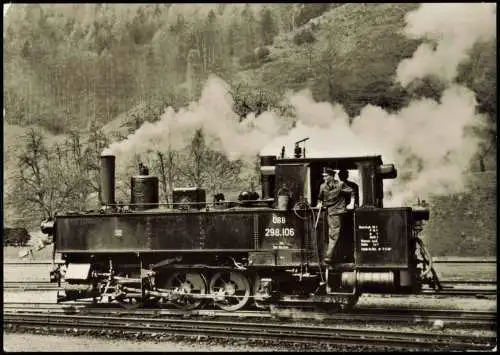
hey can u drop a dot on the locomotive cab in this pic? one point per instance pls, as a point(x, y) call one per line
point(378, 249)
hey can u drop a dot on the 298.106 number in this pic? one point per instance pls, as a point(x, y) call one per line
point(279, 232)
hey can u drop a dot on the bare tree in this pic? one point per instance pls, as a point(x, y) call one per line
point(220, 172)
point(29, 190)
point(196, 159)
point(167, 165)
point(41, 185)
point(209, 168)
point(51, 179)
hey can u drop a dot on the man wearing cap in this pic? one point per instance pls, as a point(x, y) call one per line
point(332, 195)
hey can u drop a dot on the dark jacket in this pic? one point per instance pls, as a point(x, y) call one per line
point(334, 195)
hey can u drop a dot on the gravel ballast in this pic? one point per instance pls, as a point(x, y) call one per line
point(59, 343)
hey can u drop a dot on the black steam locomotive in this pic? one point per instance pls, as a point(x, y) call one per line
point(256, 251)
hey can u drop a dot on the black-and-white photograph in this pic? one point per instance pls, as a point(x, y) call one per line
point(249, 177)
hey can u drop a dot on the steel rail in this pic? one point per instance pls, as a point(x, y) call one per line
point(467, 282)
point(456, 317)
point(34, 262)
point(459, 292)
point(260, 331)
point(30, 286)
point(463, 260)
point(28, 283)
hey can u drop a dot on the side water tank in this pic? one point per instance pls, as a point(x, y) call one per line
point(144, 192)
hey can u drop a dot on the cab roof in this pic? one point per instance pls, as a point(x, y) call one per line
point(337, 163)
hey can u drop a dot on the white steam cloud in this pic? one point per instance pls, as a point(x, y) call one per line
point(452, 30)
point(428, 138)
point(221, 126)
point(214, 114)
point(431, 134)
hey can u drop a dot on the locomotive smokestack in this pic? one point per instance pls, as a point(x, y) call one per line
point(108, 179)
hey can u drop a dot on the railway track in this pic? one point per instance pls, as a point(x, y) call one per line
point(463, 288)
point(260, 331)
point(467, 282)
point(30, 286)
point(477, 319)
point(463, 260)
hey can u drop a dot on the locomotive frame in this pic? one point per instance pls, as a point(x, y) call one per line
point(267, 250)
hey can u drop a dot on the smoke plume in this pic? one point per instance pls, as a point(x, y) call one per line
point(428, 140)
point(450, 31)
point(427, 137)
point(214, 114)
point(221, 126)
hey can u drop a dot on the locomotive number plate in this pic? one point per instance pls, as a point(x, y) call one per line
point(279, 228)
point(279, 232)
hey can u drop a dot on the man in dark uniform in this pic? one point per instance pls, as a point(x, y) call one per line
point(343, 176)
point(332, 195)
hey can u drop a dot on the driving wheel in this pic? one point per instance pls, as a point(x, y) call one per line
point(231, 290)
point(187, 284)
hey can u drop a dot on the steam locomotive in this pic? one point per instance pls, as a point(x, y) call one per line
point(256, 251)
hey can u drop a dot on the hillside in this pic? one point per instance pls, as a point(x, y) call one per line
point(465, 224)
point(361, 45)
point(103, 69)
point(352, 59)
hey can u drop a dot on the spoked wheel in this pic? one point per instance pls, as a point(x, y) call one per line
point(188, 283)
point(232, 288)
